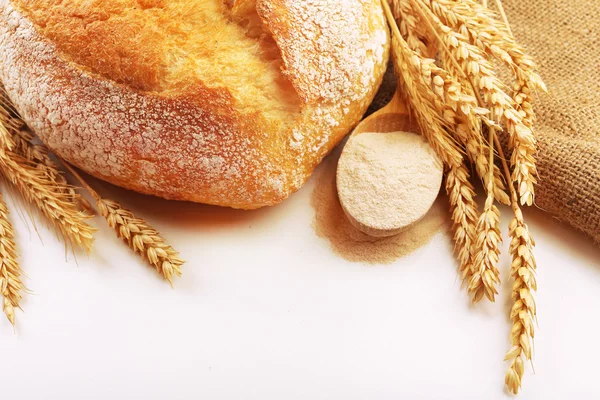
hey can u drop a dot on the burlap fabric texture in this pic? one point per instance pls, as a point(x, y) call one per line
point(564, 39)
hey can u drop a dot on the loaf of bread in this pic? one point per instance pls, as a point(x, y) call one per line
point(226, 102)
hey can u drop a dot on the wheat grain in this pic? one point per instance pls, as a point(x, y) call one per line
point(136, 233)
point(457, 103)
point(410, 29)
point(466, 72)
point(469, 131)
point(10, 271)
point(523, 267)
point(36, 188)
point(30, 169)
point(479, 152)
point(523, 312)
point(470, 61)
point(524, 145)
point(38, 155)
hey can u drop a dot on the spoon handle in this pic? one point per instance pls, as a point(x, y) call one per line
point(397, 105)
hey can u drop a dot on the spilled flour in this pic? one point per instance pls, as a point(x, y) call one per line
point(348, 242)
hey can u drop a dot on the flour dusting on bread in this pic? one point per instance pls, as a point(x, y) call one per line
point(201, 141)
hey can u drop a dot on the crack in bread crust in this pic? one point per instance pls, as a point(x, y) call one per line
point(197, 143)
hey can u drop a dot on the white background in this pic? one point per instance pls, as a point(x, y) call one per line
point(265, 310)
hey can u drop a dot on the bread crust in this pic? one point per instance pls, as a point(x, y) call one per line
point(195, 143)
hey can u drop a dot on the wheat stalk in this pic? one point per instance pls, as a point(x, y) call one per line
point(479, 152)
point(425, 85)
point(469, 132)
point(10, 271)
point(141, 238)
point(136, 233)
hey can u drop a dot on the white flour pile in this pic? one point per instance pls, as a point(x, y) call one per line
point(387, 181)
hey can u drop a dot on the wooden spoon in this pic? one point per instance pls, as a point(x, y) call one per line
point(391, 118)
point(394, 117)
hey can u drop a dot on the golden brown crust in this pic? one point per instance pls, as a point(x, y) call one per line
point(129, 122)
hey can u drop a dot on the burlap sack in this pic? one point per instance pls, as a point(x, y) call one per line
point(564, 39)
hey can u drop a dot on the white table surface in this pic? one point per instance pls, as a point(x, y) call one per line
point(265, 310)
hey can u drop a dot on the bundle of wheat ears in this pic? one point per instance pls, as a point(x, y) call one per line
point(461, 106)
point(27, 165)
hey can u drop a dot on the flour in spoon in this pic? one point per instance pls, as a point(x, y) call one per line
point(388, 181)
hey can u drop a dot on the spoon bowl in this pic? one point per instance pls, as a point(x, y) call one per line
point(394, 117)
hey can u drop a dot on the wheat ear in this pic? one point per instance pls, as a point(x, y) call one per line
point(410, 29)
point(456, 101)
point(136, 233)
point(37, 154)
point(523, 272)
point(44, 193)
point(472, 61)
point(523, 313)
point(492, 36)
point(432, 96)
point(485, 275)
point(523, 157)
point(415, 82)
point(464, 218)
point(10, 271)
point(477, 245)
point(489, 34)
